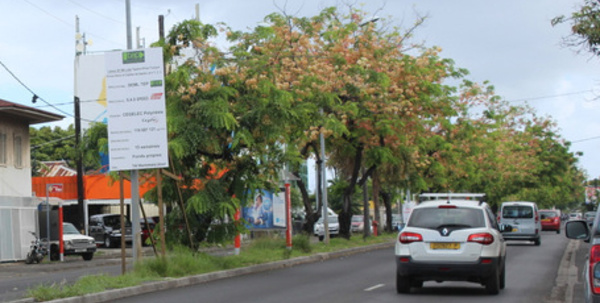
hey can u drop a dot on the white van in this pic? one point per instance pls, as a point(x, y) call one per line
point(524, 218)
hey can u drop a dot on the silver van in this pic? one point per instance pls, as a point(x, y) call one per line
point(524, 218)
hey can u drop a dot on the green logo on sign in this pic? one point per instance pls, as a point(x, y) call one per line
point(154, 83)
point(133, 57)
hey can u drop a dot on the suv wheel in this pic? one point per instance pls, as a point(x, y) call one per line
point(87, 256)
point(537, 242)
point(107, 242)
point(402, 284)
point(492, 284)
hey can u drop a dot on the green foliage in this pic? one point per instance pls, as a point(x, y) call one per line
point(585, 27)
point(52, 144)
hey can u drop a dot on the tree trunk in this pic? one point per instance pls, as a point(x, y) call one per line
point(310, 215)
point(386, 197)
point(376, 189)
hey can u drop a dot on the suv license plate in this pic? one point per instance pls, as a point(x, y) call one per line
point(445, 245)
point(515, 230)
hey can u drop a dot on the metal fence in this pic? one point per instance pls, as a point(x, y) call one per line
point(18, 216)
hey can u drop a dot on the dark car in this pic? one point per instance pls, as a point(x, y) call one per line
point(106, 229)
point(550, 220)
point(581, 230)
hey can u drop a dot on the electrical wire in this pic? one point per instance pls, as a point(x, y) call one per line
point(36, 96)
point(552, 96)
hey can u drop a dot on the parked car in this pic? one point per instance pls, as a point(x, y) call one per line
point(74, 244)
point(357, 224)
point(451, 240)
point(524, 217)
point(106, 229)
point(550, 220)
point(589, 216)
point(332, 223)
point(581, 230)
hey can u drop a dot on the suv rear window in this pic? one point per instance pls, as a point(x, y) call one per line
point(517, 212)
point(435, 218)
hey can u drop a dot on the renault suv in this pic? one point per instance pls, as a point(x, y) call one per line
point(451, 237)
point(581, 230)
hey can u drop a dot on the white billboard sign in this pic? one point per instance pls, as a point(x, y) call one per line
point(137, 121)
point(90, 87)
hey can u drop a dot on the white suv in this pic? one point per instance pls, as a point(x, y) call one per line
point(451, 237)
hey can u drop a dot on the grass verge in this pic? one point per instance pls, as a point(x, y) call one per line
point(180, 262)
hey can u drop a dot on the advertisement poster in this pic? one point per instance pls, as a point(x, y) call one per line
point(279, 210)
point(259, 212)
point(137, 120)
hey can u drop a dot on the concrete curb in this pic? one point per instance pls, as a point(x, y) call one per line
point(120, 293)
point(567, 276)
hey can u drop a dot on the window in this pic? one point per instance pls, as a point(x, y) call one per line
point(435, 218)
point(517, 212)
point(18, 151)
point(2, 148)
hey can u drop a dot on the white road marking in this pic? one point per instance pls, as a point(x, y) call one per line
point(375, 287)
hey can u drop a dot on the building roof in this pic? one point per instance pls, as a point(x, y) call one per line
point(56, 169)
point(29, 114)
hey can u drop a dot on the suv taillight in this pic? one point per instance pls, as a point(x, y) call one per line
point(594, 278)
point(408, 237)
point(481, 238)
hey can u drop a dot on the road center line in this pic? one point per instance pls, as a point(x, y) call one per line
point(375, 287)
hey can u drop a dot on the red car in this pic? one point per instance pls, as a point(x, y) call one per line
point(550, 220)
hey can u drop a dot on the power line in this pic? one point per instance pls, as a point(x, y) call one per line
point(70, 25)
point(53, 141)
point(552, 96)
point(586, 139)
point(35, 96)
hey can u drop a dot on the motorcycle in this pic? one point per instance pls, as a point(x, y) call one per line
point(37, 250)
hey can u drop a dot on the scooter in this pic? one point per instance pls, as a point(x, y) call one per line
point(37, 250)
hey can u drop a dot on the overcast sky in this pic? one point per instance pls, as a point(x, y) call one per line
point(510, 43)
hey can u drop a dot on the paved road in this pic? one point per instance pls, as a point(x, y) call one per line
point(369, 277)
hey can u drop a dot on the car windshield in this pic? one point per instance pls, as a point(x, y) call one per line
point(435, 218)
point(329, 219)
point(69, 229)
point(517, 212)
point(590, 215)
point(115, 221)
point(357, 218)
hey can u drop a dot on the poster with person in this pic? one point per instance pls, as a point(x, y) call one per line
point(258, 213)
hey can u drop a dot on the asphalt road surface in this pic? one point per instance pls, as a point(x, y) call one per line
point(531, 272)
point(365, 277)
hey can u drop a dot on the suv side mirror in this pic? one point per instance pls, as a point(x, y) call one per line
point(578, 230)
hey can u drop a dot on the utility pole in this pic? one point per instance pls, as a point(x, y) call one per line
point(80, 222)
point(135, 186)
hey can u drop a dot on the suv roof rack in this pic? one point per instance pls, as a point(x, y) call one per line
point(452, 196)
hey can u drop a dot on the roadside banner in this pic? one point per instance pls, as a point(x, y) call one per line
point(259, 211)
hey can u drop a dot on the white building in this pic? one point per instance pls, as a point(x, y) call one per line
point(18, 213)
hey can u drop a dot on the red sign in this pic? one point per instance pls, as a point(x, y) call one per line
point(56, 188)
